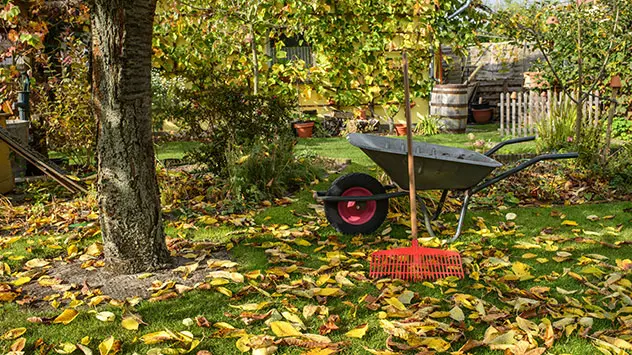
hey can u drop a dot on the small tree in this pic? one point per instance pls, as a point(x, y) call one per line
point(583, 43)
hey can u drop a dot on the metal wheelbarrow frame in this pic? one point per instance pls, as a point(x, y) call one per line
point(358, 204)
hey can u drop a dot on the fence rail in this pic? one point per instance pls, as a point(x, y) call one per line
point(521, 111)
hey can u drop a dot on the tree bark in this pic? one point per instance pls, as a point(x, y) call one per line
point(129, 201)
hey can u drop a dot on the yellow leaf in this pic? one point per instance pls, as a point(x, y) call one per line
point(457, 314)
point(393, 301)
point(225, 291)
point(156, 337)
point(72, 249)
point(284, 329)
point(328, 291)
point(94, 249)
point(106, 316)
point(13, 333)
point(208, 220)
point(243, 159)
point(34, 263)
point(108, 346)
point(358, 332)
point(21, 281)
point(529, 256)
point(130, 323)
point(569, 223)
point(67, 316)
point(18, 345)
point(66, 348)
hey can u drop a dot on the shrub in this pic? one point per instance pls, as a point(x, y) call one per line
point(229, 118)
point(71, 128)
point(556, 131)
point(428, 126)
point(265, 170)
point(622, 128)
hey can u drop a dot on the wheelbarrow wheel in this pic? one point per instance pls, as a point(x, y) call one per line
point(351, 217)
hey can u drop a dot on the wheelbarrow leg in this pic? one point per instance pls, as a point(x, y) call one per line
point(459, 227)
point(427, 219)
point(440, 206)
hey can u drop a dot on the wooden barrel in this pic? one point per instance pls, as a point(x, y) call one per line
point(449, 102)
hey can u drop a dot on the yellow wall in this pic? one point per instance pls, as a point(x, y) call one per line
point(316, 102)
point(6, 175)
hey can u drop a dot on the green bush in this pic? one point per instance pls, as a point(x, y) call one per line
point(266, 170)
point(622, 128)
point(70, 125)
point(619, 167)
point(229, 118)
point(428, 126)
point(556, 131)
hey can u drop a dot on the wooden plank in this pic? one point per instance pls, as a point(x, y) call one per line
point(520, 118)
point(502, 115)
point(513, 118)
point(508, 109)
point(42, 163)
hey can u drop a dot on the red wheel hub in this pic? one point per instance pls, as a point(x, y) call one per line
point(357, 212)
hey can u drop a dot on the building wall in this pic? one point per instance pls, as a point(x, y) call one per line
point(504, 65)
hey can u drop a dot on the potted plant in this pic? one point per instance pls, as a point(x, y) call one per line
point(482, 113)
point(304, 129)
point(400, 128)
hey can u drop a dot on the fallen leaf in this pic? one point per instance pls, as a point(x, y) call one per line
point(67, 316)
point(358, 332)
point(284, 329)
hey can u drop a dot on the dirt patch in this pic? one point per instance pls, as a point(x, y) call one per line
point(72, 277)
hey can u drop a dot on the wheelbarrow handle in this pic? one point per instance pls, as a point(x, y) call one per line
point(522, 166)
point(511, 141)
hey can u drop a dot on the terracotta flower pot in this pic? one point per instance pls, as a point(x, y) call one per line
point(482, 115)
point(400, 128)
point(304, 130)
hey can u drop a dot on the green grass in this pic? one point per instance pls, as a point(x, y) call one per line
point(339, 148)
point(174, 150)
point(530, 222)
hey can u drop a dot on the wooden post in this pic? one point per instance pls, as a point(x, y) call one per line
point(513, 114)
point(502, 114)
point(411, 160)
point(520, 118)
point(508, 112)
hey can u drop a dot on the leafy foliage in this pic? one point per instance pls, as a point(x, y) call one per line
point(267, 169)
point(557, 130)
point(194, 36)
point(428, 126)
point(71, 125)
point(231, 118)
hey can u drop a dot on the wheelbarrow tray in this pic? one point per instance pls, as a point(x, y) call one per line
point(437, 167)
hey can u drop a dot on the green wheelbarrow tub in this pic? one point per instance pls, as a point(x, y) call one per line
point(437, 167)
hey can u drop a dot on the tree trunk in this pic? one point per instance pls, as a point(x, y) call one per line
point(129, 201)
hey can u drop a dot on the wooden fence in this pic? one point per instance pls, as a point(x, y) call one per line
point(520, 111)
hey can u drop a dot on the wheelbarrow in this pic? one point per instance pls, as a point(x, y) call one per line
point(357, 203)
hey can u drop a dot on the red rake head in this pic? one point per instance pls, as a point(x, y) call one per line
point(415, 264)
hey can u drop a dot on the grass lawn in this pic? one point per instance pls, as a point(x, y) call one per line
point(553, 279)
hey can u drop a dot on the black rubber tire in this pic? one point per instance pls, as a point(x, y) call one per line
point(343, 183)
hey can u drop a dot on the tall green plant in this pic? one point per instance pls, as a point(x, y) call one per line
point(557, 130)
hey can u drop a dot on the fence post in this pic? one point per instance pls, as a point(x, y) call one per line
point(520, 118)
point(502, 116)
point(513, 113)
point(508, 112)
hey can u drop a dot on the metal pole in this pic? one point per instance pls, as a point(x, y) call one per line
point(411, 159)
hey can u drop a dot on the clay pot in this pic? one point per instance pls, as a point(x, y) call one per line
point(400, 128)
point(482, 115)
point(304, 130)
